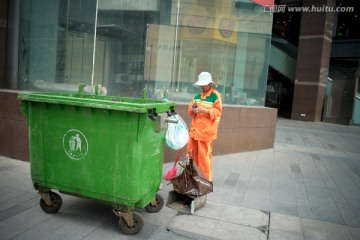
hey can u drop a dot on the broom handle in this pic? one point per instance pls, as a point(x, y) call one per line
point(178, 156)
point(191, 156)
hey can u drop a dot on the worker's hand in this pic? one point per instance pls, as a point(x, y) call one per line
point(199, 109)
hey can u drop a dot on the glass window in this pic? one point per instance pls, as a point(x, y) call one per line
point(56, 44)
point(159, 45)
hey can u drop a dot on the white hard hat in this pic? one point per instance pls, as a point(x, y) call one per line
point(204, 79)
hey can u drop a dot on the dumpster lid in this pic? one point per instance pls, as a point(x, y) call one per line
point(95, 101)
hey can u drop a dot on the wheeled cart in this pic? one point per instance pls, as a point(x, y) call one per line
point(98, 147)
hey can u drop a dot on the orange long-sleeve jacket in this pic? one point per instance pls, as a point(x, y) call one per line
point(204, 126)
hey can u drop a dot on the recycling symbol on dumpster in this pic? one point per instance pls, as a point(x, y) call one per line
point(75, 144)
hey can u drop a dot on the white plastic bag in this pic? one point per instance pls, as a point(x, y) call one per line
point(177, 134)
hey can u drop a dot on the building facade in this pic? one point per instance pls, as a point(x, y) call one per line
point(130, 45)
point(298, 59)
point(158, 45)
point(314, 61)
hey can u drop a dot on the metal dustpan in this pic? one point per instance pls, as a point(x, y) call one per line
point(187, 204)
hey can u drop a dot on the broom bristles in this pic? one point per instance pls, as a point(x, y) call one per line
point(171, 173)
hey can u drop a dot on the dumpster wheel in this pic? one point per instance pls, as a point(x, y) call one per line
point(50, 202)
point(156, 204)
point(130, 223)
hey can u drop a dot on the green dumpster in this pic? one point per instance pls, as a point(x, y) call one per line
point(98, 147)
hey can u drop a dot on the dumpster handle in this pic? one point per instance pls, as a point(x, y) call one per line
point(170, 119)
point(171, 113)
point(151, 114)
point(81, 88)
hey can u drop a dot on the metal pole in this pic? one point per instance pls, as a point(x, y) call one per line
point(356, 92)
point(94, 50)
point(354, 101)
point(180, 62)
point(225, 68)
point(12, 67)
point(175, 43)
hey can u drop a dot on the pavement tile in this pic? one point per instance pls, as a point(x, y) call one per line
point(304, 211)
point(231, 231)
point(244, 216)
point(21, 220)
point(220, 194)
point(8, 230)
point(194, 224)
point(257, 203)
point(315, 230)
point(25, 200)
point(353, 233)
point(284, 207)
point(211, 210)
point(347, 214)
point(232, 179)
point(285, 223)
point(284, 235)
point(10, 193)
point(109, 230)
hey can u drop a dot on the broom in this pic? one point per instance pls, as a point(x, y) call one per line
point(172, 172)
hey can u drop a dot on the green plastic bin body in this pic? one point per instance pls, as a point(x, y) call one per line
point(97, 147)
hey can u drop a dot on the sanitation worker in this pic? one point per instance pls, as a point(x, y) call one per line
point(205, 110)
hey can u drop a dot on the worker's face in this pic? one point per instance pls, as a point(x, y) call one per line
point(206, 88)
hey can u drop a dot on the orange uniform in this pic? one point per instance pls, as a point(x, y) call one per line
point(203, 129)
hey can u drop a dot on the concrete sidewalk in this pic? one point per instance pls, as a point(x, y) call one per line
point(306, 187)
